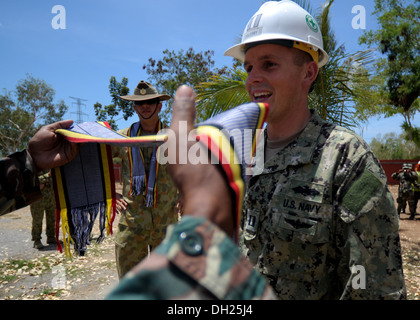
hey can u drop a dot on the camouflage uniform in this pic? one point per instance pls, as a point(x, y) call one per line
point(320, 211)
point(416, 193)
point(140, 226)
point(406, 179)
point(47, 205)
point(196, 260)
point(19, 185)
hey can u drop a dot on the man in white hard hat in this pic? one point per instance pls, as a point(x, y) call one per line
point(319, 221)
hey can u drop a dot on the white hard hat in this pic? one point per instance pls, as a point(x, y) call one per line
point(283, 22)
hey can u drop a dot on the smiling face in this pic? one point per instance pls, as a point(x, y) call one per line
point(275, 78)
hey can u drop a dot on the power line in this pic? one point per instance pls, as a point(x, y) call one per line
point(79, 112)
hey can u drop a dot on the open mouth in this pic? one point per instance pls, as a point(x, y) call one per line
point(262, 96)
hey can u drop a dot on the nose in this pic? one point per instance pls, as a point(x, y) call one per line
point(254, 77)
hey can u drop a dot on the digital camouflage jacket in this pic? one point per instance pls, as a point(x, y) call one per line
point(319, 221)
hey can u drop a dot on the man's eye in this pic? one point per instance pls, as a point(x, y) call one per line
point(269, 64)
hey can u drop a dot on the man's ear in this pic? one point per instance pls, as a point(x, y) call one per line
point(311, 71)
point(159, 107)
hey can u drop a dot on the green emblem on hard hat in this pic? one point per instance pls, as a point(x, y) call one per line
point(311, 23)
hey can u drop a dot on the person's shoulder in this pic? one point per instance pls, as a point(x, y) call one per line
point(123, 131)
point(345, 139)
point(337, 134)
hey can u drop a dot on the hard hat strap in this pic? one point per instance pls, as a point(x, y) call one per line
point(307, 48)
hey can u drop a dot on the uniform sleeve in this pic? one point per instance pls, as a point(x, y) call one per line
point(19, 184)
point(367, 235)
point(45, 178)
point(196, 260)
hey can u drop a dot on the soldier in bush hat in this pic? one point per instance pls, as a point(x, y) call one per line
point(148, 203)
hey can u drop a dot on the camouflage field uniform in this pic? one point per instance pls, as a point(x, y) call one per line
point(416, 193)
point(47, 205)
point(19, 185)
point(319, 212)
point(196, 260)
point(140, 226)
point(405, 190)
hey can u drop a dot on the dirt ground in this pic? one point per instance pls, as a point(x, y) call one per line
point(30, 274)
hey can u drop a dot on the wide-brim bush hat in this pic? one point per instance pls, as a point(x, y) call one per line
point(145, 91)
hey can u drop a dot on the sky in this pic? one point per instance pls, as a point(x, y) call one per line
point(116, 38)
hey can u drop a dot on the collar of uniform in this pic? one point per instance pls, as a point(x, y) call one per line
point(299, 151)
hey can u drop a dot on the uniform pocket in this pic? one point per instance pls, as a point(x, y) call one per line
point(300, 214)
point(301, 229)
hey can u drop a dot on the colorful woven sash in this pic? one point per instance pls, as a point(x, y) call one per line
point(101, 132)
point(84, 188)
point(138, 177)
point(85, 185)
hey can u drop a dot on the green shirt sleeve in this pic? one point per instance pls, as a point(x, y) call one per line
point(196, 260)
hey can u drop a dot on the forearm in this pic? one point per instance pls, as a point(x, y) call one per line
point(200, 261)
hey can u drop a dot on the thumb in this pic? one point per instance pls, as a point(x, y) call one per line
point(183, 108)
point(63, 124)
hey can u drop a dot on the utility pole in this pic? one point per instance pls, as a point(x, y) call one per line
point(79, 111)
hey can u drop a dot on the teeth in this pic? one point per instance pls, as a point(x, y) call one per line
point(256, 95)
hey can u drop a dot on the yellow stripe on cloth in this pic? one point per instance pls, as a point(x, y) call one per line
point(85, 188)
point(109, 186)
point(61, 213)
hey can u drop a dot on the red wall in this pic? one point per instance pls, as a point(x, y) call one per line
point(391, 166)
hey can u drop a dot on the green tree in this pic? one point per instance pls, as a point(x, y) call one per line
point(179, 68)
point(392, 147)
point(109, 112)
point(335, 92)
point(341, 81)
point(25, 110)
point(398, 40)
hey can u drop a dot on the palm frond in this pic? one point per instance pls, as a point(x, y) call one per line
point(221, 93)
